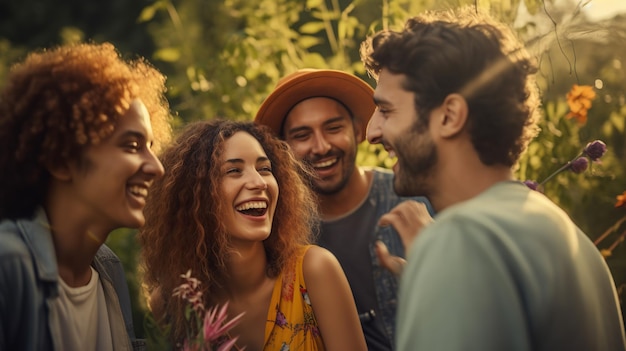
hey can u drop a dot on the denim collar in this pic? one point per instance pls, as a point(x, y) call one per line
point(37, 236)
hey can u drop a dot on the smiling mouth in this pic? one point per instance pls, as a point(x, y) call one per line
point(138, 191)
point(253, 208)
point(324, 164)
point(390, 151)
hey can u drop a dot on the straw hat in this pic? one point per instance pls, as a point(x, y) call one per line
point(351, 91)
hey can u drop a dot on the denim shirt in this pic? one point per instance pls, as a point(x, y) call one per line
point(29, 286)
point(385, 283)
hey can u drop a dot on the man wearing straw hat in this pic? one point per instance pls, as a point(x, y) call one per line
point(323, 115)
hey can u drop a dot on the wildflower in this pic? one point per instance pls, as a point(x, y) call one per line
point(215, 324)
point(579, 102)
point(189, 292)
point(595, 149)
point(621, 200)
point(579, 165)
point(531, 184)
point(210, 331)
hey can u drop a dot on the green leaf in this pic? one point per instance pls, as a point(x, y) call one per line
point(313, 3)
point(311, 27)
point(307, 41)
point(167, 54)
point(148, 12)
point(535, 162)
point(188, 311)
point(618, 121)
point(533, 6)
point(341, 29)
point(313, 59)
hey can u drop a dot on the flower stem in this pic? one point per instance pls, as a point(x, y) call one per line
point(556, 172)
point(610, 230)
point(564, 167)
point(617, 241)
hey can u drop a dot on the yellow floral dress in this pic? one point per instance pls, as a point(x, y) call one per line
point(291, 324)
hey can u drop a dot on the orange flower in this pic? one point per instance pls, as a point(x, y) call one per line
point(621, 200)
point(579, 102)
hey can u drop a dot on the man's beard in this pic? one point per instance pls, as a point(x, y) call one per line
point(346, 162)
point(416, 163)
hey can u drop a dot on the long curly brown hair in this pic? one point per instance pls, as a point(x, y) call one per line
point(468, 52)
point(59, 101)
point(184, 229)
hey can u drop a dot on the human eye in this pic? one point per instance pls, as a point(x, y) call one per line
point(232, 171)
point(265, 169)
point(300, 136)
point(384, 111)
point(334, 128)
point(132, 146)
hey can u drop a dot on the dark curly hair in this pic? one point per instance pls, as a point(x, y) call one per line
point(466, 52)
point(59, 101)
point(184, 227)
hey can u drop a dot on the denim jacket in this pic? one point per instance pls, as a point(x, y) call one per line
point(29, 286)
point(385, 283)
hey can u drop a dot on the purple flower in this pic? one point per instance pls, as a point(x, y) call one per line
point(281, 320)
point(579, 165)
point(595, 150)
point(531, 184)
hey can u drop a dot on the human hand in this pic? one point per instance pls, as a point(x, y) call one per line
point(408, 218)
point(393, 264)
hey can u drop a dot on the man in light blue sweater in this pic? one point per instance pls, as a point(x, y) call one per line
point(501, 267)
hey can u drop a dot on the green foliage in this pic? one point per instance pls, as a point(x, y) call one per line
point(123, 242)
point(155, 334)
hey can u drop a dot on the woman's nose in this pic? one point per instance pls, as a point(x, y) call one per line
point(153, 165)
point(256, 181)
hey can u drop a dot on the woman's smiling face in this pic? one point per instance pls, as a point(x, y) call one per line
point(249, 186)
point(114, 177)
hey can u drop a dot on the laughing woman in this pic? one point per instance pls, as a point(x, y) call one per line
point(233, 208)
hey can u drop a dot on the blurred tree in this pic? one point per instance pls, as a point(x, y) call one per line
point(27, 25)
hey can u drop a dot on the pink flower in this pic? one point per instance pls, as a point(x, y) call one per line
point(215, 324)
point(213, 331)
point(189, 292)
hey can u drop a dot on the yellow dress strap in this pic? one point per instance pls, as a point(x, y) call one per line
point(291, 323)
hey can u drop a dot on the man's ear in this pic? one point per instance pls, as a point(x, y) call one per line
point(60, 171)
point(453, 117)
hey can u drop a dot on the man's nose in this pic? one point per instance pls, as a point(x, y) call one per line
point(373, 132)
point(320, 145)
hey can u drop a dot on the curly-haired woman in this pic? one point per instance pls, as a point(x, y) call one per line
point(77, 128)
point(233, 208)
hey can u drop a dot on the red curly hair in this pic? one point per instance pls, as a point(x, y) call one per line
point(59, 101)
point(184, 229)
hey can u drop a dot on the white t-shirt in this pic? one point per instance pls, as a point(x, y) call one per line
point(82, 312)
